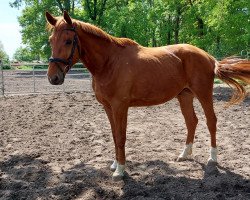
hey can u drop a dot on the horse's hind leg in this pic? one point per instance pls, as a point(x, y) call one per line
point(185, 99)
point(211, 124)
point(205, 96)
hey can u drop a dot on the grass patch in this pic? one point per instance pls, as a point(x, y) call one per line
point(45, 67)
point(25, 67)
point(217, 81)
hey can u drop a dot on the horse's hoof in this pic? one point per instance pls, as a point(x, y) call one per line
point(117, 177)
point(186, 153)
point(211, 161)
point(180, 159)
point(213, 156)
point(119, 172)
point(113, 166)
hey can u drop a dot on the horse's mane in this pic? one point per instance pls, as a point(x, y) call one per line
point(94, 30)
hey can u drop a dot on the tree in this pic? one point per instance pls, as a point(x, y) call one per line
point(229, 23)
point(219, 27)
point(24, 54)
point(95, 9)
point(3, 55)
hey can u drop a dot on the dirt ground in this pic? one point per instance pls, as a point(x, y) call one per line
point(59, 146)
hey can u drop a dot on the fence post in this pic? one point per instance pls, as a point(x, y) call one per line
point(34, 81)
point(2, 80)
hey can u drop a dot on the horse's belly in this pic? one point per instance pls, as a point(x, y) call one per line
point(149, 95)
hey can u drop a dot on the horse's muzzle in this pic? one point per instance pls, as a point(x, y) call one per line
point(56, 79)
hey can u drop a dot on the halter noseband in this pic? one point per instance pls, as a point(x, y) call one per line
point(68, 62)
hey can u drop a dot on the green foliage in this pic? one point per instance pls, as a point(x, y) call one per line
point(4, 58)
point(219, 27)
point(24, 67)
point(24, 54)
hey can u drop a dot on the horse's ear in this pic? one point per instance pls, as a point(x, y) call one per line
point(67, 17)
point(52, 20)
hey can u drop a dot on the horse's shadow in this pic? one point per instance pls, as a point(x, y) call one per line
point(27, 177)
point(224, 93)
point(166, 183)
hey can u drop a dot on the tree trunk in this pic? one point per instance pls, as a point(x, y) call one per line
point(177, 25)
point(169, 31)
point(200, 27)
point(218, 44)
point(95, 9)
point(102, 10)
point(153, 39)
point(66, 5)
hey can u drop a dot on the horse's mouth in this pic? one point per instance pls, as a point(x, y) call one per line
point(55, 80)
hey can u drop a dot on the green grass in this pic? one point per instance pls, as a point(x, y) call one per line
point(30, 68)
point(23, 67)
point(217, 81)
point(5, 67)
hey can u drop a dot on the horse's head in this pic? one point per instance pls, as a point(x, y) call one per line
point(65, 47)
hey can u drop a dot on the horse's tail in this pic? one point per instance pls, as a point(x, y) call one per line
point(230, 69)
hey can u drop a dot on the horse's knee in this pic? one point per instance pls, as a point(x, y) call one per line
point(211, 124)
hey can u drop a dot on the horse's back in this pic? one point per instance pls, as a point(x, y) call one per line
point(193, 58)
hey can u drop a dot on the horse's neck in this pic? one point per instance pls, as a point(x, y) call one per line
point(95, 53)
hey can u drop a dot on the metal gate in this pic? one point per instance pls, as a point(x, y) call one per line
point(34, 80)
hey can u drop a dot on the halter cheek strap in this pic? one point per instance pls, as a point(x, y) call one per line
point(68, 62)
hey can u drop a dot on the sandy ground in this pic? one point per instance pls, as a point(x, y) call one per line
point(59, 146)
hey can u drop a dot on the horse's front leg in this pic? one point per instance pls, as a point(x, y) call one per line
point(120, 112)
point(109, 113)
point(185, 99)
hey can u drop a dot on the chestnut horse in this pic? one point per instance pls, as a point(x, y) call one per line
point(126, 74)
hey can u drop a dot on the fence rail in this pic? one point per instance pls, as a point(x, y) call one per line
point(34, 80)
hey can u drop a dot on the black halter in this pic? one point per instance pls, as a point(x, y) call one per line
point(68, 62)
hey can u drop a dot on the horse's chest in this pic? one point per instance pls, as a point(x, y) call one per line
point(102, 92)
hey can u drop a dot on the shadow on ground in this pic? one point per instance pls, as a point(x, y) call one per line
point(224, 93)
point(28, 177)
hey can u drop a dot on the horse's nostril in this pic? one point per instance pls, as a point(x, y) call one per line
point(54, 80)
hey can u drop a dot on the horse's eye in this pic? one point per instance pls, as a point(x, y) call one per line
point(68, 42)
